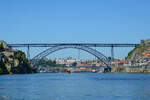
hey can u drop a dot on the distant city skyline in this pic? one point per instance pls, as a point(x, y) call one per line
point(75, 21)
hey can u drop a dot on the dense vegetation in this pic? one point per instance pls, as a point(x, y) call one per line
point(49, 63)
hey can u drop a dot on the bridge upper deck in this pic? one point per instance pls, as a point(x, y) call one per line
point(81, 44)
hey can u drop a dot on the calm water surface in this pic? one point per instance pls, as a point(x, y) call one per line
point(75, 86)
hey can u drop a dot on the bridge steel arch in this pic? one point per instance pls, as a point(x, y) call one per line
point(92, 51)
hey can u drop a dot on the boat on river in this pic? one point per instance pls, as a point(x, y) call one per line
point(68, 71)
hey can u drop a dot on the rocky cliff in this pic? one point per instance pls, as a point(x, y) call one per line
point(13, 61)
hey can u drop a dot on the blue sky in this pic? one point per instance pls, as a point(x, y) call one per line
point(92, 21)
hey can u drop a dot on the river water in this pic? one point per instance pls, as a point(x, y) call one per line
point(75, 86)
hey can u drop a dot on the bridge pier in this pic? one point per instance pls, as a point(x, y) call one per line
point(28, 52)
point(112, 52)
point(79, 54)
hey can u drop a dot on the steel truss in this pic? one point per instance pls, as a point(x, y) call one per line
point(92, 51)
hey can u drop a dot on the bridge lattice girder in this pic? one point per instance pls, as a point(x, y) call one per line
point(92, 51)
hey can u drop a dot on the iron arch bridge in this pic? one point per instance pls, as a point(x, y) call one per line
point(92, 51)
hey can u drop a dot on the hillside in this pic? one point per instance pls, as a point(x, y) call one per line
point(141, 53)
point(13, 61)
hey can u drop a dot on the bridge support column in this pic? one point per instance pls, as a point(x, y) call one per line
point(28, 52)
point(79, 54)
point(112, 53)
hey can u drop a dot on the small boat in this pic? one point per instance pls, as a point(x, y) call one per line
point(68, 71)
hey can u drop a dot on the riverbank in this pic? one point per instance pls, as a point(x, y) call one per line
point(130, 69)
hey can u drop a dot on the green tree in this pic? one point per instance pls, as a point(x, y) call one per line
point(1, 47)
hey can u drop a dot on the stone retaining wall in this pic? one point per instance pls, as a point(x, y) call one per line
point(131, 69)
